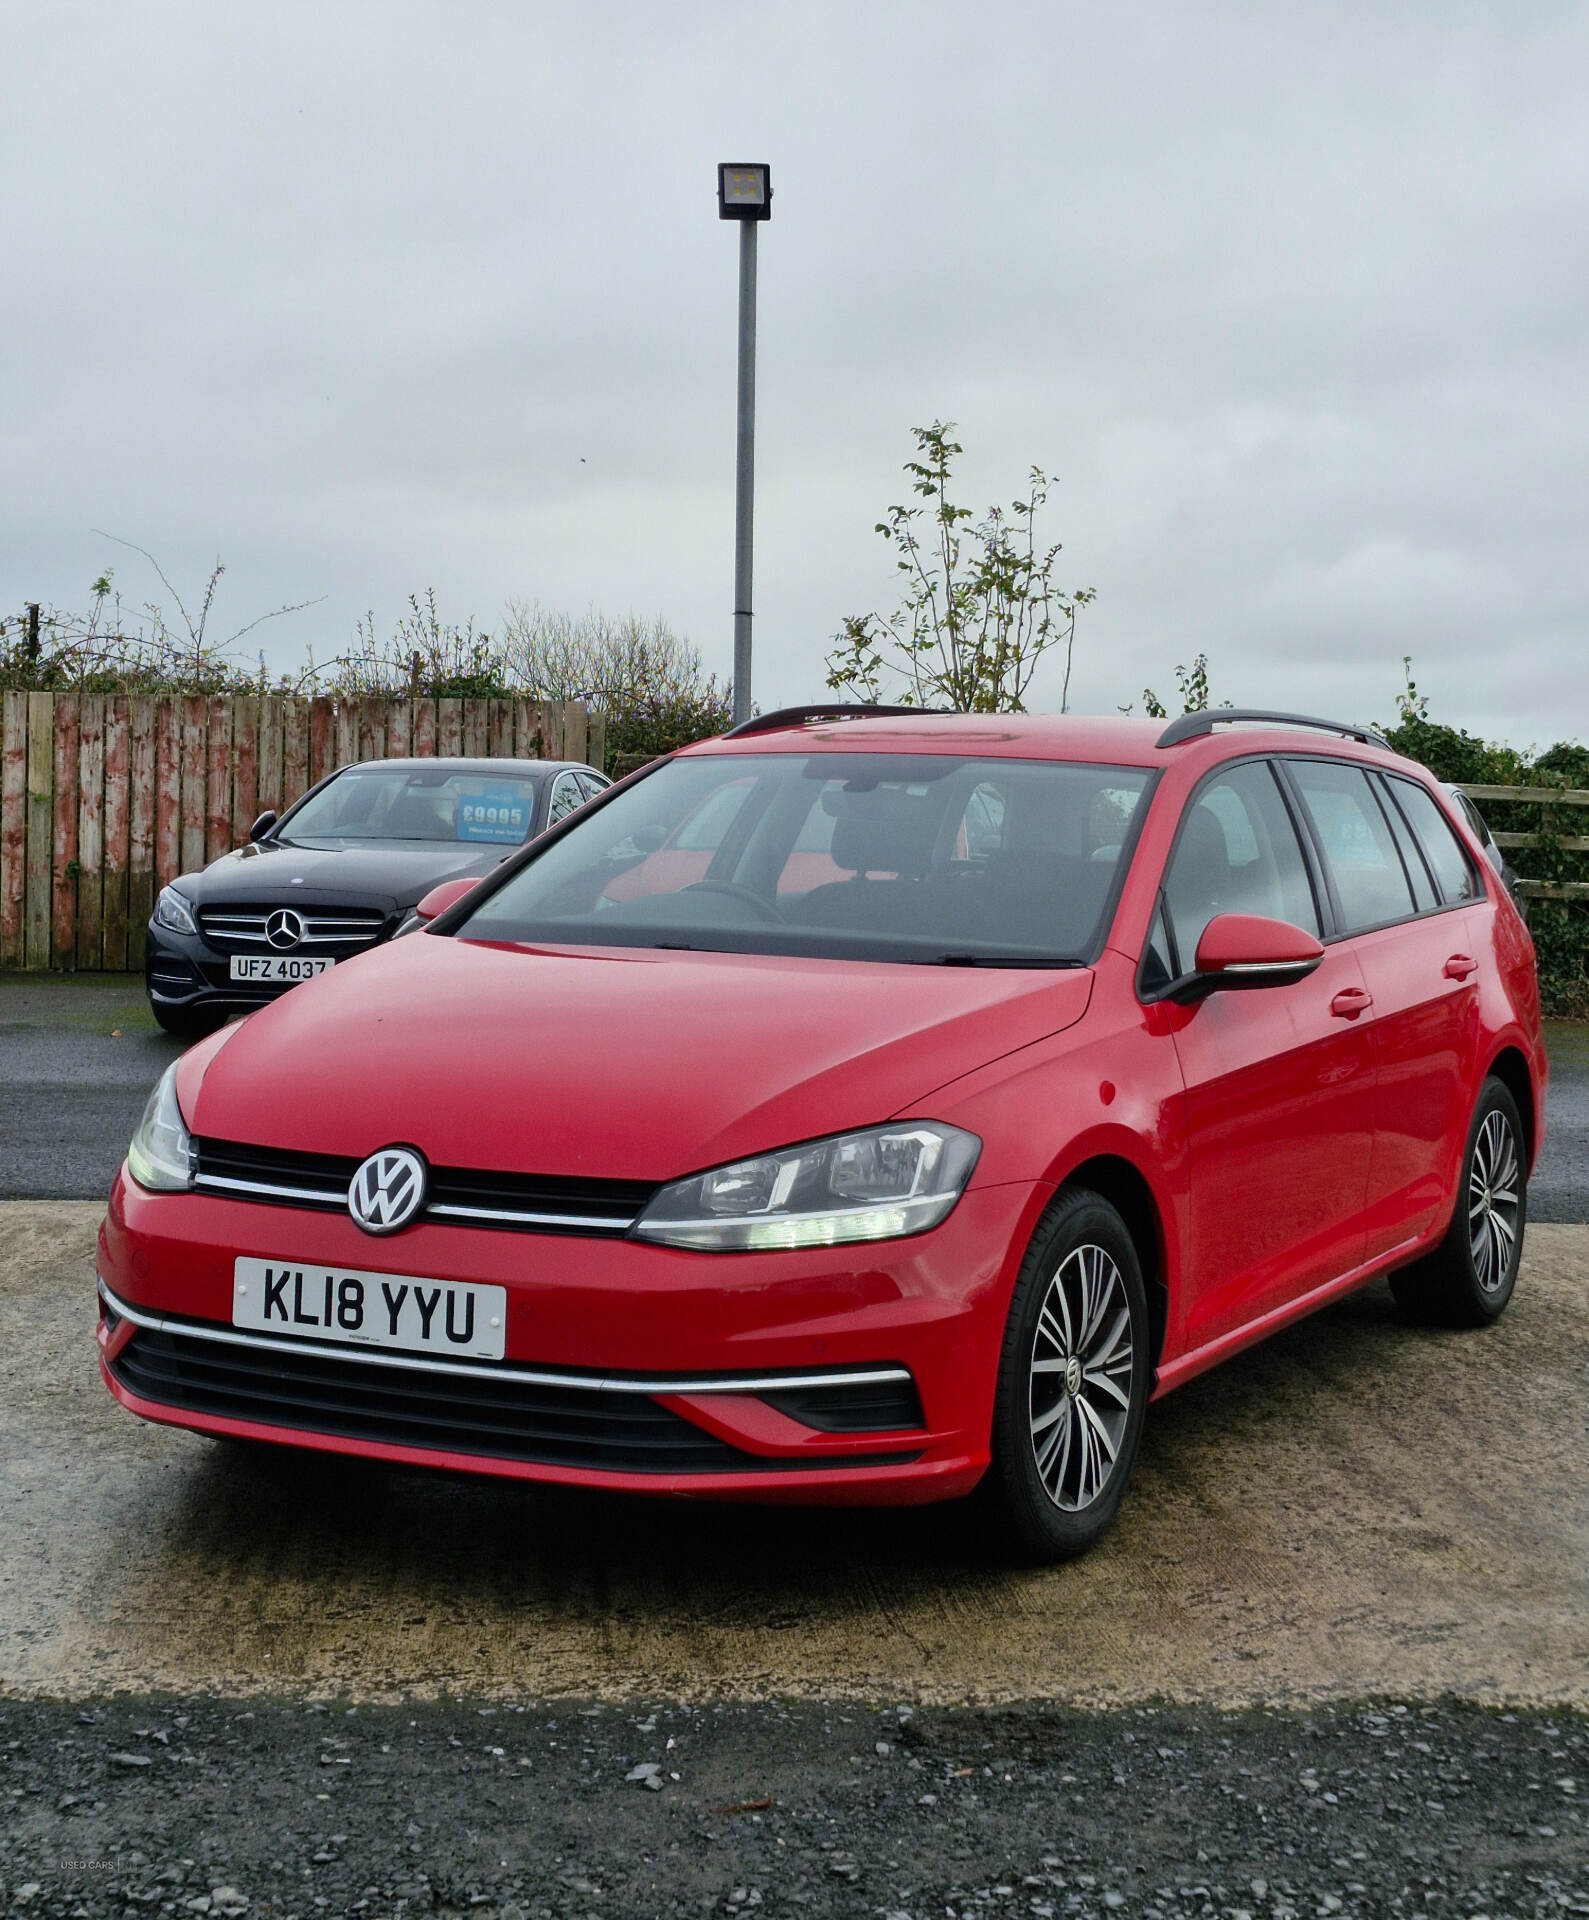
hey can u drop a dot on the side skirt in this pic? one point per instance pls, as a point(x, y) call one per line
point(1200, 1359)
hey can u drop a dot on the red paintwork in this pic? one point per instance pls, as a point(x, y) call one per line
point(1248, 939)
point(624, 1063)
point(439, 899)
point(1287, 1152)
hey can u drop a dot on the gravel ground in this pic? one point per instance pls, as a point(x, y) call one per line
point(193, 1807)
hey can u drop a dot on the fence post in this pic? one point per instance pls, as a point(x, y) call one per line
point(117, 832)
point(218, 780)
point(194, 714)
point(90, 831)
point(245, 764)
point(13, 826)
point(63, 852)
point(142, 781)
point(40, 829)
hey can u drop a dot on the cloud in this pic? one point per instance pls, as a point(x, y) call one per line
point(1291, 304)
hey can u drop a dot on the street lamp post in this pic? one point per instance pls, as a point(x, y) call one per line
point(744, 193)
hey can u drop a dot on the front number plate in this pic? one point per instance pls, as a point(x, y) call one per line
point(444, 1318)
point(276, 967)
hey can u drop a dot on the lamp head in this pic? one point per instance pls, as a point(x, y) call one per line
point(744, 190)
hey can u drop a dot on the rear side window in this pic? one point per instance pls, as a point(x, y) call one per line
point(1237, 853)
point(1423, 887)
point(566, 795)
point(1435, 835)
point(1370, 882)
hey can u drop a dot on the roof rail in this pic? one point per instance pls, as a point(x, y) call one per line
point(1192, 726)
point(834, 710)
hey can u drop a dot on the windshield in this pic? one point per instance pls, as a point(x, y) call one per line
point(929, 858)
point(417, 803)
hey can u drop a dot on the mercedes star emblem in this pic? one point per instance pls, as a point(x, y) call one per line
point(284, 928)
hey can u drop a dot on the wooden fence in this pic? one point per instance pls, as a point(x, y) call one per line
point(1574, 843)
point(103, 800)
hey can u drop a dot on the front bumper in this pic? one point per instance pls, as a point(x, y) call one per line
point(859, 1374)
point(188, 973)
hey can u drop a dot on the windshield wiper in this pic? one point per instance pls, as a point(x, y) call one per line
point(994, 960)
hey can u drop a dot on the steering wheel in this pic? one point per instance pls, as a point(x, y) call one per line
point(732, 887)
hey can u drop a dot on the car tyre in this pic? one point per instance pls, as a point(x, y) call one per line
point(1075, 1372)
point(1469, 1278)
point(186, 1023)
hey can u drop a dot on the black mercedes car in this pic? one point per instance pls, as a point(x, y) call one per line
point(339, 871)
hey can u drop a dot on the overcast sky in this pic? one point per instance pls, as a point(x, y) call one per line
point(1293, 302)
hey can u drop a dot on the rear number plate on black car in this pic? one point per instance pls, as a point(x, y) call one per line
point(276, 966)
point(441, 1317)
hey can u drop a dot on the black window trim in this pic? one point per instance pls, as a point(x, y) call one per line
point(1148, 996)
point(1338, 928)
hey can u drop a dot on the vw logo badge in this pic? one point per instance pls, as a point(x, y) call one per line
point(284, 928)
point(388, 1190)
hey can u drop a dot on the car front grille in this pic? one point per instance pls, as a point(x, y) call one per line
point(460, 1410)
point(455, 1196)
point(242, 929)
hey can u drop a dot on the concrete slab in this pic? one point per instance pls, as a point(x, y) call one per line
point(1357, 1508)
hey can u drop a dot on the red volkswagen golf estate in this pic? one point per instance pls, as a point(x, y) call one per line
point(853, 1109)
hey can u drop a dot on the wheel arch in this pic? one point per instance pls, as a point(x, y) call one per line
point(1126, 1189)
point(1510, 1067)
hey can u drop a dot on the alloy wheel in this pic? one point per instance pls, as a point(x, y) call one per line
point(1081, 1373)
point(1494, 1200)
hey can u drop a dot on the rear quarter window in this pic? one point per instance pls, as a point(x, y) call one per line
point(1453, 873)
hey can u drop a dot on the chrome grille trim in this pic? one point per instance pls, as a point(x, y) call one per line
point(528, 1376)
point(515, 1217)
point(220, 1183)
point(320, 929)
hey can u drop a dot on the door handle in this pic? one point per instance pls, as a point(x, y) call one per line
point(1459, 966)
point(1350, 1002)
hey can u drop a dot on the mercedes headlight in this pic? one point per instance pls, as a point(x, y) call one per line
point(873, 1185)
point(160, 1156)
point(174, 912)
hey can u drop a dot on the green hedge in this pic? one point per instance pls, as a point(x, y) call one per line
point(1560, 927)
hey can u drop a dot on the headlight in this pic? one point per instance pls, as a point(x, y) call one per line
point(174, 911)
point(160, 1156)
point(874, 1185)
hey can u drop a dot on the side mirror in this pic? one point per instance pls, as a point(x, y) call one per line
point(263, 824)
point(1247, 950)
point(439, 899)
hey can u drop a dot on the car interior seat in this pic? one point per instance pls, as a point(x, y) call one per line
point(883, 838)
